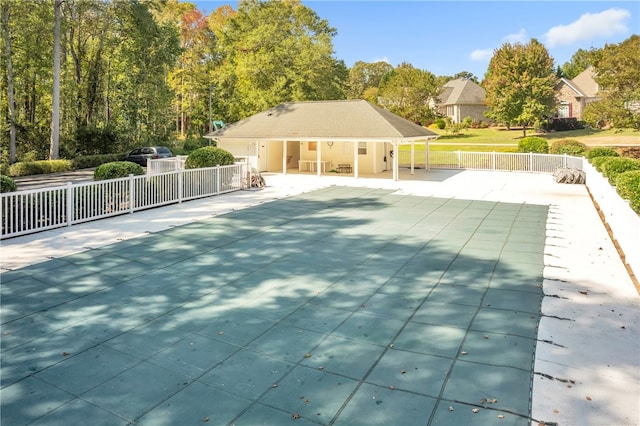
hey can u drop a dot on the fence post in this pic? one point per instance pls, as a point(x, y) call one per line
point(132, 192)
point(180, 185)
point(530, 161)
point(493, 160)
point(218, 179)
point(564, 161)
point(459, 159)
point(69, 203)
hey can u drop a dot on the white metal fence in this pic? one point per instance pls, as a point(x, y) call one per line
point(26, 212)
point(502, 161)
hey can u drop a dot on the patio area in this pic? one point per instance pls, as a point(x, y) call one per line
point(451, 298)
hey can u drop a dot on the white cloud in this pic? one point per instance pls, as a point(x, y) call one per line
point(383, 59)
point(519, 37)
point(588, 27)
point(481, 54)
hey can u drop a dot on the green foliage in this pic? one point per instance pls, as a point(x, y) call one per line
point(599, 162)
point(406, 91)
point(533, 144)
point(601, 152)
point(628, 186)
point(568, 146)
point(579, 62)
point(117, 169)
point(27, 168)
point(209, 156)
point(89, 161)
point(272, 52)
point(520, 84)
point(364, 76)
point(192, 144)
point(615, 166)
point(440, 123)
point(7, 184)
point(617, 71)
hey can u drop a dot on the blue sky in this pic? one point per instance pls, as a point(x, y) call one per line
point(447, 37)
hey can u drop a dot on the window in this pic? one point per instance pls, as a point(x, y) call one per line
point(563, 110)
point(313, 146)
point(362, 148)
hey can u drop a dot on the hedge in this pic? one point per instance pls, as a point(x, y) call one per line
point(90, 161)
point(7, 184)
point(598, 162)
point(628, 186)
point(26, 168)
point(117, 169)
point(533, 144)
point(615, 166)
point(568, 146)
point(209, 156)
point(601, 152)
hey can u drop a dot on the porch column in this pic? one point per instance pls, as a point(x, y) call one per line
point(355, 159)
point(427, 160)
point(413, 157)
point(318, 157)
point(395, 160)
point(284, 157)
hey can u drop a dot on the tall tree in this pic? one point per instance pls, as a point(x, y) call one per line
point(519, 84)
point(10, 90)
point(55, 106)
point(275, 51)
point(617, 71)
point(364, 76)
point(579, 62)
point(407, 91)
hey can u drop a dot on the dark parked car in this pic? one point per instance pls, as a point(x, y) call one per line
point(140, 155)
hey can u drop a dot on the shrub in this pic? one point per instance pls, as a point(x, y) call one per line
point(568, 146)
point(89, 161)
point(209, 156)
point(26, 168)
point(628, 186)
point(7, 184)
point(117, 169)
point(615, 166)
point(601, 152)
point(440, 123)
point(598, 162)
point(533, 144)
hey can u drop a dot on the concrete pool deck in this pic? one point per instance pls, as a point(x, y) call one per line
point(292, 344)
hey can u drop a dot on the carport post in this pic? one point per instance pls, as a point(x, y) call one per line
point(395, 160)
point(413, 157)
point(284, 157)
point(318, 156)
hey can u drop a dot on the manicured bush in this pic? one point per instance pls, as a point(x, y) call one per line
point(440, 123)
point(117, 169)
point(568, 146)
point(601, 152)
point(615, 166)
point(209, 156)
point(533, 144)
point(628, 186)
point(598, 162)
point(26, 168)
point(89, 161)
point(7, 184)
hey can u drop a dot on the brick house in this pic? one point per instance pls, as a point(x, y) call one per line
point(573, 95)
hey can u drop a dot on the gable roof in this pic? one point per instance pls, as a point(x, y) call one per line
point(350, 120)
point(462, 92)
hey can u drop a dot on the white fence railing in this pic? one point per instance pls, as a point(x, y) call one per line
point(502, 161)
point(26, 212)
point(623, 221)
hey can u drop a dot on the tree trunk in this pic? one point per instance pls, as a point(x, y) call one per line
point(524, 130)
point(55, 106)
point(12, 111)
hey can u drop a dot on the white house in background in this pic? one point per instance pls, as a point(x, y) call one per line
point(461, 98)
point(350, 136)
